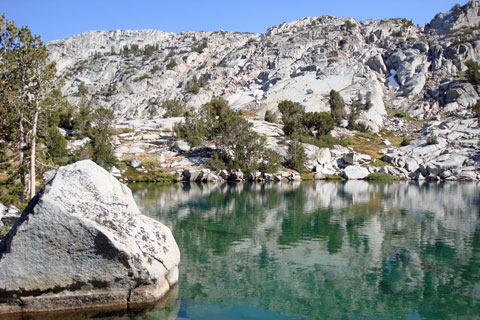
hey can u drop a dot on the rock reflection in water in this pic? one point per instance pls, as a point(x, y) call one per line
point(326, 249)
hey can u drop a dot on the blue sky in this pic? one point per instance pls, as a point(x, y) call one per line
point(57, 19)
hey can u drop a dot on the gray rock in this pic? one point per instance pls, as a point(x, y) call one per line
point(355, 173)
point(134, 163)
point(386, 143)
point(114, 171)
point(82, 243)
point(356, 158)
point(192, 175)
point(48, 175)
point(237, 175)
point(467, 175)
point(160, 158)
point(182, 146)
point(268, 176)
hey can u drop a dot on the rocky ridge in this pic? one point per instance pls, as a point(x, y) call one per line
point(400, 67)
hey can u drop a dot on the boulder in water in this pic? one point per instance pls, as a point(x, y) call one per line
point(82, 243)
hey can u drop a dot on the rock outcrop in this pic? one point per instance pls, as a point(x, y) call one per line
point(419, 73)
point(82, 243)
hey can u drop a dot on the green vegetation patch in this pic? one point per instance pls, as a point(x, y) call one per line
point(333, 177)
point(383, 177)
point(134, 175)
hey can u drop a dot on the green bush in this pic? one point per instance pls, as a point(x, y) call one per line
point(297, 157)
point(151, 165)
point(154, 69)
point(270, 116)
point(56, 146)
point(379, 163)
point(173, 108)
point(473, 74)
point(401, 114)
point(172, 64)
point(366, 135)
point(333, 177)
point(397, 34)
point(405, 141)
point(349, 25)
point(333, 54)
point(380, 177)
point(199, 47)
point(216, 162)
point(432, 139)
point(239, 147)
point(337, 106)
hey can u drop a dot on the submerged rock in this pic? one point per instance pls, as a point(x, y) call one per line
point(82, 243)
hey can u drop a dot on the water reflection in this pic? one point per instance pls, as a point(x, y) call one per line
point(324, 250)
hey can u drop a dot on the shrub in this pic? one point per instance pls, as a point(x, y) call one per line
point(239, 147)
point(270, 117)
point(292, 114)
point(297, 157)
point(379, 163)
point(154, 69)
point(151, 165)
point(473, 75)
point(349, 25)
point(271, 161)
point(172, 64)
point(397, 34)
point(192, 86)
point(401, 114)
point(100, 134)
point(318, 123)
point(432, 139)
point(56, 146)
point(333, 177)
point(405, 141)
point(380, 177)
point(368, 101)
point(337, 107)
point(173, 108)
point(333, 54)
point(199, 47)
point(216, 162)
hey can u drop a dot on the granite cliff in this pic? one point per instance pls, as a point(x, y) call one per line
point(402, 69)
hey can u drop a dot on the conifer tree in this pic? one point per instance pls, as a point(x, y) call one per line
point(25, 79)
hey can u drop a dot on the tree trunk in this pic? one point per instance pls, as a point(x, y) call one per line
point(21, 157)
point(33, 151)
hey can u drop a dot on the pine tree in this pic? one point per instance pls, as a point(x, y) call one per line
point(25, 79)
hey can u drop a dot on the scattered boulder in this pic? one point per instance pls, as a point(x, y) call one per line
point(82, 243)
point(114, 171)
point(355, 173)
point(182, 146)
point(134, 163)
point(48, 175)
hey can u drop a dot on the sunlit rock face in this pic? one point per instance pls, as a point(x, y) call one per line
point(82, 243)
point(300, 61)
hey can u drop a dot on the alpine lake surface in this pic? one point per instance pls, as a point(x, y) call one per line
point(325, 250)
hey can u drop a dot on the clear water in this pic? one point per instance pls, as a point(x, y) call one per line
point(350, 250)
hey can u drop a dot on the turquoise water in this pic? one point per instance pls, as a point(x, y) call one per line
point(349, 250)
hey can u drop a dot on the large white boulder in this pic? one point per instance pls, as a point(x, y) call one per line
point(82, 243)
point(355, 173)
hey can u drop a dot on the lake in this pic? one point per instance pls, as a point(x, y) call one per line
point(326, 250)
